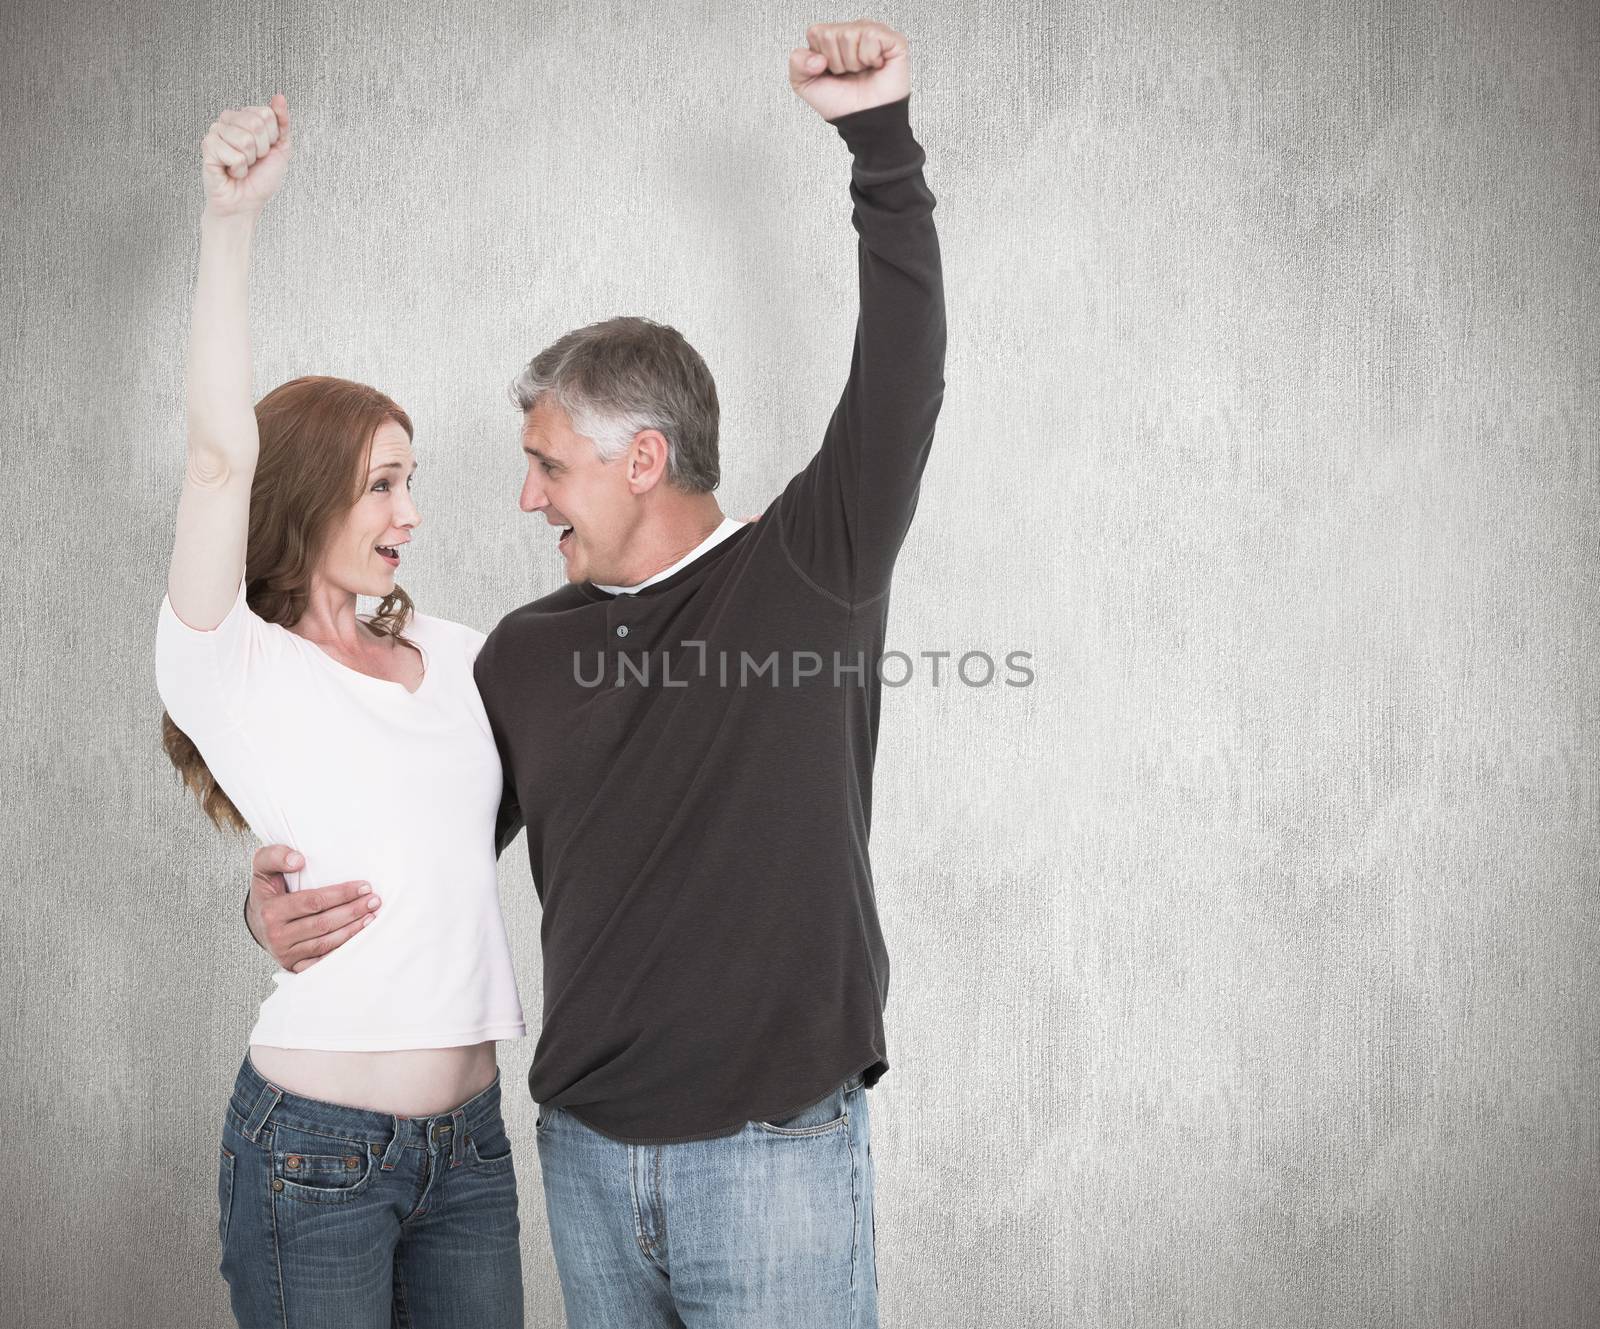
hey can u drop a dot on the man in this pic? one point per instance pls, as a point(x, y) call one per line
point(687, 729)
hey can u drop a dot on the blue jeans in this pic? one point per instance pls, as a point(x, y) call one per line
point(334, 1217)
point(768, 1228)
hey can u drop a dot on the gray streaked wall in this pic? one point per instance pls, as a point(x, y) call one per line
point(1242, 963)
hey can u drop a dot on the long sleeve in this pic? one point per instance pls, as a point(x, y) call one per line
point(845, 516)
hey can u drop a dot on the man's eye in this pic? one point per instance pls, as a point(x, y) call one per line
point(546, 468)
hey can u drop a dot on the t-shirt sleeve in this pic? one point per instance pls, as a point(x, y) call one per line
point(204, 678)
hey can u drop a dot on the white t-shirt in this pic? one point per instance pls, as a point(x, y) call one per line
point(373, 783)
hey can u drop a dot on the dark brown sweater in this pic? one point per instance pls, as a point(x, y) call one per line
point(694, 762)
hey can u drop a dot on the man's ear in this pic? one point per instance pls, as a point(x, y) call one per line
point(647, 460)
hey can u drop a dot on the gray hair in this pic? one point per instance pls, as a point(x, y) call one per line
point(626, 374)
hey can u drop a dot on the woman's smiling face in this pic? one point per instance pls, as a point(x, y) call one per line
point(363, 553)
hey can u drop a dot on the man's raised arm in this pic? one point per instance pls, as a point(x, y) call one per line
point(845, 516)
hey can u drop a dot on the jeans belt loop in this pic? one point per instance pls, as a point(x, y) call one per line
point(391, 1155)
point(269, 1098)
point(458, 1143)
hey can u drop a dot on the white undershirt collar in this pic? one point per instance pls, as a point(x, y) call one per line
point(728, 527)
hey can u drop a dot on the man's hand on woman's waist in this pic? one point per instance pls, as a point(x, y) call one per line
point(297, 928)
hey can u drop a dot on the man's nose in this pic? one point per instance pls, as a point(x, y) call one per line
point(533, 495)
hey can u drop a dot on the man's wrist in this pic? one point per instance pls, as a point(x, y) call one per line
point(880, 137)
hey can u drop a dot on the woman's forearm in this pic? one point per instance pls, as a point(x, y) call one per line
point(221, 411)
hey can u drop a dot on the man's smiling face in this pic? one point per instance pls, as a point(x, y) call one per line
point(570, 486)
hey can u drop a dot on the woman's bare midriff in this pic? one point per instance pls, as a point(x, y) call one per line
point(411, 1082)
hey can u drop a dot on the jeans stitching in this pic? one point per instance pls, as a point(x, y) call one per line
point(489, 1167)
point(326, 1194)
point(291, 1123)
point(798, 1132)
point(284, 1115)
point(402, 1309)
point(277, 1245)
point(226, 1218)
point(660, 1208)
point(426, 1197)
point(872, 1175)
point(645, 1244)
point(855, 1222)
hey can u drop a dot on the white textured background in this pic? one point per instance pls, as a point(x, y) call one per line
point(1242, 965)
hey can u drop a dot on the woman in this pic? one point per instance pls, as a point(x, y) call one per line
point(365, 1175)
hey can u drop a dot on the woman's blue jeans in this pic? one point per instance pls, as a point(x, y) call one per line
point(768, 1228)
point(335, 1217)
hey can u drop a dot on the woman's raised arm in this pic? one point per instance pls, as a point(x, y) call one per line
point(244, 157)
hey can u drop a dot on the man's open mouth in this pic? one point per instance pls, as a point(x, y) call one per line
point(565, 532)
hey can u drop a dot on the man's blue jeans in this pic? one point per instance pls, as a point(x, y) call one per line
point(334, 1217)
point(769, 1228)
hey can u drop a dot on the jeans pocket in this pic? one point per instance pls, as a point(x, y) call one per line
point(825, 1115)
point(319, 1168)
point(489, 1147)
point(224, 1195)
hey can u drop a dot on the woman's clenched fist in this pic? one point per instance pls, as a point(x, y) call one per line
point(244, 156)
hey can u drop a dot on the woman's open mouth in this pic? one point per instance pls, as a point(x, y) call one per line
point(390, 555)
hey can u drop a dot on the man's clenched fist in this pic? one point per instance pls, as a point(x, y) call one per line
point(845, 67)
